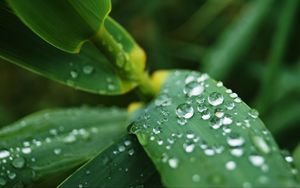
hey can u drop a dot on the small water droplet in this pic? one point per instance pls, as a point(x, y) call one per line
point(173, 162)
point(227, 119)
point(88, 69)
point(237, 152)
point(188, 147)
point(196, 178)
point(256, 160)
point(230, 165)
point(205, 115)
point(57, 151)
point(253, 113)
point(18, 162)
point(74, 74)
point(26, 150)
point(12, 175)
point(131, 152)
point(235, 140)
point(184, 111)
point(215, 123)
point(163, 100)
point(215, 98)
point(229, 105)
point(121, 148)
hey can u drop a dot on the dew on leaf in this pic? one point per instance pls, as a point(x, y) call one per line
point(196, 178)
point(173, 162)
point(88, 69)
point(26, 150)
point(18, 162)
point(205, 115)
point(74, 74)
point(215, 98)
point(230, 165)
point(181, 121)
point(4, 153)
point(261, 144)
point(253, 113)
point(256, 160)
point(235, 140)
point(193, 89)
point(184, 110)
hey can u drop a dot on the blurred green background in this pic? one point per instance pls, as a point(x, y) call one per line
point(253, 46)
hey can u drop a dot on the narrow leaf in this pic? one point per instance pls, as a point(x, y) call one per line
point(52, 142)
point(236, 39)
point(200, 134)
point(89, 70)
point(297, 159)
point(64, 24)
point(124, 164)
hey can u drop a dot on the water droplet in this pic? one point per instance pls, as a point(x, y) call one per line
point(227, 119)
point(4, 153)
point(235, 140)
point(219, 84)
point(196, 178)
point(121, 148)
point(256, 160)
point(209, 151)
point(18, 162)
point(173, 162)
point(261, 144)
point(156, 130)
point(74, 74)
point(121, 59)
point(190, 134)
point(57, 151)
point(184, 111)
point(127, 143)
point(2, 181)
point(193, 89)
point(163, 100)
point(88, 69)
point(70, 138)
point(237, 152)
point(219, 112)
point(229, 105)
point(230, 165)
point(201, 107)
point(253, 113)
point(215, 98)
point(181, 121)
point(160, 142)
point(26, 150)
point(131, 152)
point(215, 123)
point(205, 115)
point(188, 147)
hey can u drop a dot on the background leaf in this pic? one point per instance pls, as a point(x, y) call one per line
point(124, 164)
point(89, 70)
point(64, 24)
point(50, 143)
point(200, 134)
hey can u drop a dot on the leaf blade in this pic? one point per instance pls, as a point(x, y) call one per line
point(52, 142)
point(213, 145)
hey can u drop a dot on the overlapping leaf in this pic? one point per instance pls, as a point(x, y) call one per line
point(89, 70)
point(124, 164)
point(64, 24)
point(49, 143)
point(200, 134)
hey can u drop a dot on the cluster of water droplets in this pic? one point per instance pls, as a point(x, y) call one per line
point(217, 111)
point(20, 157)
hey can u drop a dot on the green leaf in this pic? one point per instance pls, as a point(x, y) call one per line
point(64, 24)
point(52, 142)
point(297, 158)
point(124, 164)
point(89, 70)
point(236, 39)
point(200, 134)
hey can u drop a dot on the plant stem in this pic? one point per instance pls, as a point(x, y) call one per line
point(279, 43)
point(129, 62)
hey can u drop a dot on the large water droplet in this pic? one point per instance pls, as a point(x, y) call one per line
point(215, 98)
point(184, 111)
point(193, 89)
point(173, 162)
point(18, 162)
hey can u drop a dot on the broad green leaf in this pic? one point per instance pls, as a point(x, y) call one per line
point(236, 39)
point(89, 70)
point(64, 24)
point(200, 134)
point(52, 142)
point(124, 164)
